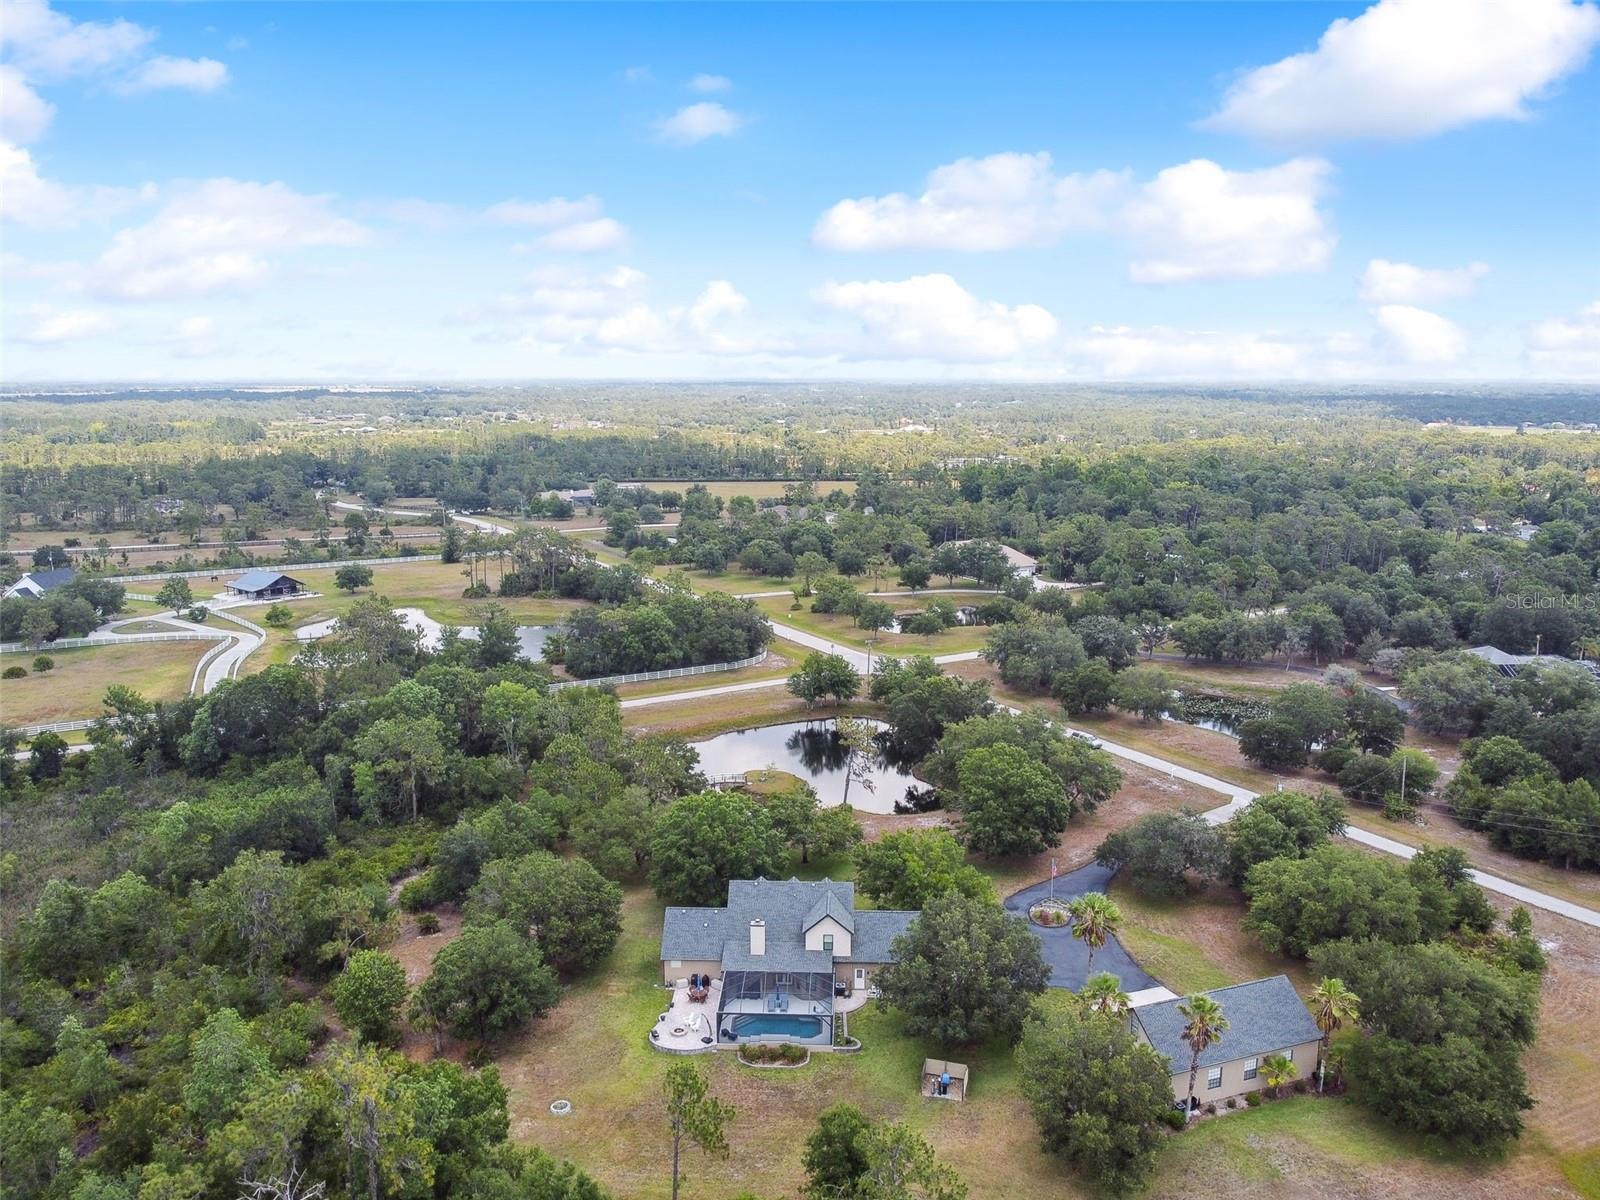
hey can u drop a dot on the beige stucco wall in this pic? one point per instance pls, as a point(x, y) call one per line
point(687, 967)
point(841, 937)
point(1233, 1081)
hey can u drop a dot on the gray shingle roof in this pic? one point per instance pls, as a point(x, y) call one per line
point(49, 581)
point(828, 905)
point(1265, 1016)
point(789, 908)
point(254, 581)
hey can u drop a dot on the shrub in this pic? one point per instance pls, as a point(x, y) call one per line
point(43, 663)
point(14, 673)
point(1173, 1119)
point(1253, 1099)
point(1300, 1087)
point(1211, 1110)
point(279, 614)
point(417, 893)
point(428, 923)
point(1233, 1103)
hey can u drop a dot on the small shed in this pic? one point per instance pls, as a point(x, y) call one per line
point(933, 1072)
point(265, 585)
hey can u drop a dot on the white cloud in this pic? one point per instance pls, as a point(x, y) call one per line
point(1199, 221)
point(1385, 282)
point(24, 114)
point(1192, 221)
point(27, 198)
point(710, 83)
point(638, 74)
point(934, 317)
point(52, 327)
point(1410, 68)
point(557, 210)
point(697, 122)
point(1567, 346)
point(586, 237)
point(1001, 202)
point(50, 45)
point(187, 74)
point(215, 237)
point(194, 337)
point(1415, 335)
point(1162, 352)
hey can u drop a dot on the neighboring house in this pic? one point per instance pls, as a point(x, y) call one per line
point(265, 585)
point(1021, 564)
point(1510, 664)
point(38, 583)
point(1265, 1017)
point(778, 953)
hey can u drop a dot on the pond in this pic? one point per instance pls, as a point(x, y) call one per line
point(531, 637)
point(811, 750)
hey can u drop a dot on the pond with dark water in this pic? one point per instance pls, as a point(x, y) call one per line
point(812, 751)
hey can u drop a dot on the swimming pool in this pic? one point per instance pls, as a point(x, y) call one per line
point(776, 1025)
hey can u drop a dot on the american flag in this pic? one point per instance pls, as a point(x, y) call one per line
point(1052, 868)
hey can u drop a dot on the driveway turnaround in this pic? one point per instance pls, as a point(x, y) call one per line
point(1067, 957)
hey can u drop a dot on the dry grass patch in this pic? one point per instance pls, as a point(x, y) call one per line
point(74, 689)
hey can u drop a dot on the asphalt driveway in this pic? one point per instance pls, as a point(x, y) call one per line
point(1067, 956)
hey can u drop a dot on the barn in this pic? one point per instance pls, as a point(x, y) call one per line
point(266, 585)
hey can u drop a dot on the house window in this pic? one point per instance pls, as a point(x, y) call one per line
point(677, 962)
point(827, 942)
point(1250, 1068)
point(1214, 1077)
point(1289, 1053)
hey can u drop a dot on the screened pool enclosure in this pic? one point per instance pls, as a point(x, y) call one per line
point(789, 1006)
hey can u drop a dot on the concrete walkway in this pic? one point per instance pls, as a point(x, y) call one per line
point(1068, 958)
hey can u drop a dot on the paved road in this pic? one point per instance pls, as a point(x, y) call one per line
point(475, 522)
point(1067, 956)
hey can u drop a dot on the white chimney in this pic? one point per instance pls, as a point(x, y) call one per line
point(758, 936)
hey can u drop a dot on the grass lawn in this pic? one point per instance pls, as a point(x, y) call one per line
point(74, 689)
point(842, 629)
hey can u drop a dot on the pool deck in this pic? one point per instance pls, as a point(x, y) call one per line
point(697, 1021)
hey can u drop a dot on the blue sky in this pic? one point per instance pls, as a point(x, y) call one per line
point(1119, 191)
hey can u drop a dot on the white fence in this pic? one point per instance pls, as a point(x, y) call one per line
point(673, 673)
point(55, 727)
point(131, 639)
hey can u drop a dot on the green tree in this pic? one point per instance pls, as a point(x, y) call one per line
point(226, 1064)
point(694, 1114)
point(901, 1166)
point(1331, 893)
point(1280, 824)
point(498, 642)
point(1086, 689)
point(487, 982)
point(175, 594)
point(1145, 691)
point(250, 914)
point(1089, 776)
point(834, 1160)
point(1010, 803)
point(1332, 1005)
point(964, 971)
point(570, 910)
point(807, 827)
point(375, 1116)
point(1203, 1026)
point(369, 994)
point(1159, 850)
point(824, 675)
point(1095, 918)
point(1097, 1093)
point(700, 842)
point(397, 761)
point(910, 868)
point(46, 753)
point(352, 577)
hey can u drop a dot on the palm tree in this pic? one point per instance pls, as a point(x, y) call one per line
point(1094, 919)
point(1277, 1070)
point(1332, 1004)
point(1103, 993)
point(1204, 1025)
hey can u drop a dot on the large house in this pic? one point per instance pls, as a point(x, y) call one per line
point(266, 585)
point(38, 584)
point(1025, 565)
point(1265, 1017)
point(776, 956)
point(1511, 664)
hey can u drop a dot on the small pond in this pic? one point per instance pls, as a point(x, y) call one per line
point(811, 750)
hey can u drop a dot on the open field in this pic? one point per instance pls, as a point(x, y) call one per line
point(73, 690)
point(782, 658)
point(843, 629)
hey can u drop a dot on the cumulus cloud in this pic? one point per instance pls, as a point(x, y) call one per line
point(52, 327)
point(1000, 202)
point(586, 237)
point(1163, 352)
point(557, 210)
point(710, 83)
point(570, 311)
point(194, 337)
point(1385, 282)
point(49, 45)
point(1567, 346)
point(934, 317)
point(184, 74)
point(1417, 336)
point(1411, 68)
point(1194, 221)
point(28, 198)
point(24, 114)
point(1200, 221)
point(217, 236)
point(697, 122)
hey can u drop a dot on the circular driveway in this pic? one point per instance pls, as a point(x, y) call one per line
point(1067, 957)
